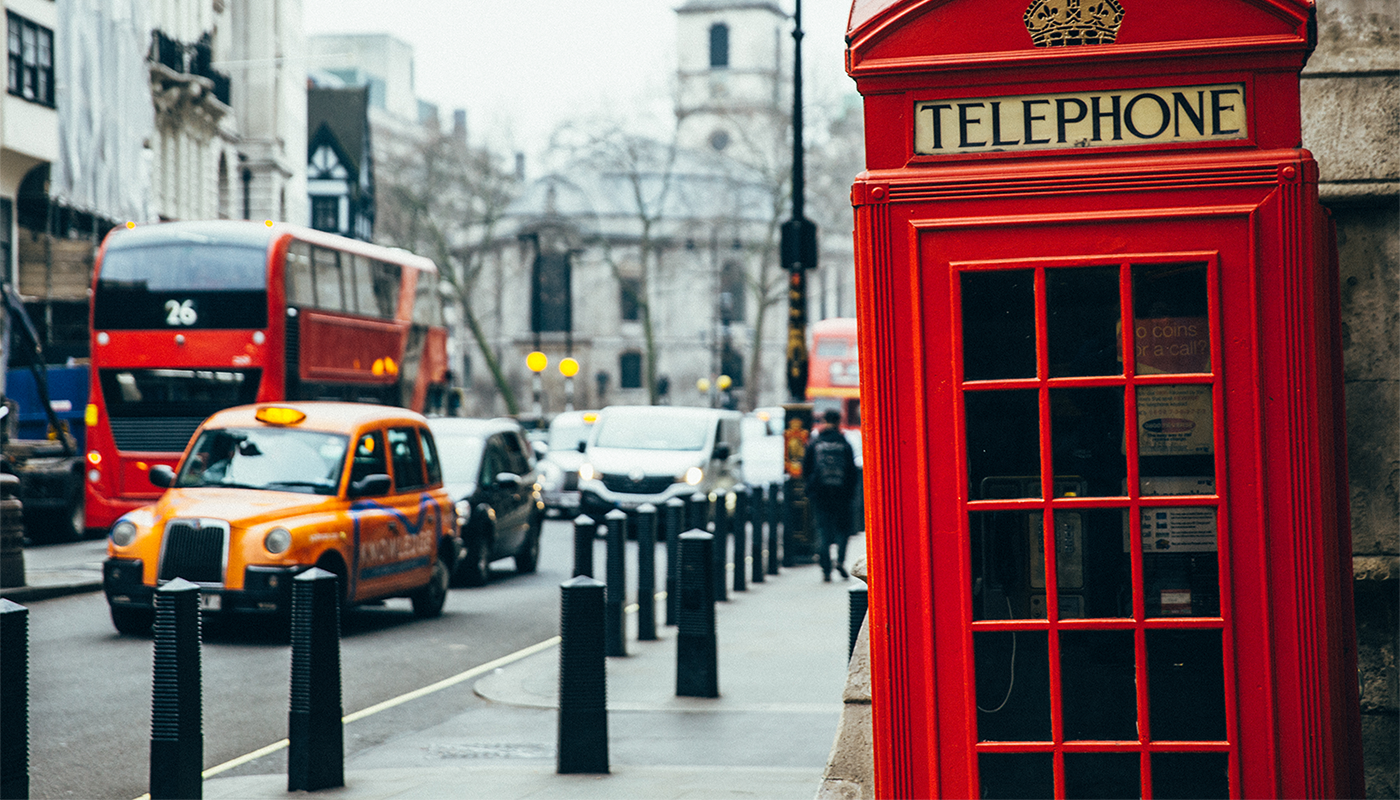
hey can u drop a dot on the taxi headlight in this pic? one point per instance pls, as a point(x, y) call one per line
point(277, 540)
point(123, 533)
point(694, 475)
point(464, 510)
point(585, 472)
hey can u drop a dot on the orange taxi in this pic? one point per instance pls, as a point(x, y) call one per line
point(266, 491)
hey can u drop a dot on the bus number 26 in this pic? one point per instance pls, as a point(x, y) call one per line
point(180, 312)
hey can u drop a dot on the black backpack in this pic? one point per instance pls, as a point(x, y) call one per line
point(829, 463)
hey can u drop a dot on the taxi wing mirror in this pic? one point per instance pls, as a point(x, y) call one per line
point(371, 485)
point(722, 452)
point(162, 476)
point(583, 447)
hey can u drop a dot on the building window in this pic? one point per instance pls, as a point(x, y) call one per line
point(732, 306)
point(629, 367)
point(325, 213)
point(631, 299)
point(719, 45)
point(31, 60)
point(551, 307)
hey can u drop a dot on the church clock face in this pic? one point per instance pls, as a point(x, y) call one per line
point(719, 140)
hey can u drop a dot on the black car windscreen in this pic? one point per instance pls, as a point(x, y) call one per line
point(182, 285)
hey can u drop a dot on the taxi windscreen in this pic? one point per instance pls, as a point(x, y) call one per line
point(272, 459)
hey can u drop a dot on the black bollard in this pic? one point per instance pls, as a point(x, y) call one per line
point(699, 512)
point(14, 700)
point(315, 733)
point(584, 530)
point(177, 734)
point(697, 654)
point(646, 572)
point(582, 745)
point(739, 524)
point(674, 516)
point(721, 546)
point(755, 506)
point(775, 504)
point(858, 606)
point(614, 627)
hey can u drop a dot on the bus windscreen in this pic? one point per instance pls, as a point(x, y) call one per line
point(182, 286)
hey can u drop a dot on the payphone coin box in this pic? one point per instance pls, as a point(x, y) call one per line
point(1100, 360)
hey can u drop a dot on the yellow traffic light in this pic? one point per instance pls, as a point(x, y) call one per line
point(537, 361)
point(568, 367)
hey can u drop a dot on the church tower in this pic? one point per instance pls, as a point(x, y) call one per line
point(733, 94)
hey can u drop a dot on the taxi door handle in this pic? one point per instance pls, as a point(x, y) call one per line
point(394, 528)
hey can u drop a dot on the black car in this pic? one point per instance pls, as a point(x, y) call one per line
point(488, 467)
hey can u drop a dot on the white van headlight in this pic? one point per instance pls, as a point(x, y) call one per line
point(694, 475)
point(585, 471)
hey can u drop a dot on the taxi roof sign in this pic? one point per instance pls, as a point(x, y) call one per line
point(279, 415)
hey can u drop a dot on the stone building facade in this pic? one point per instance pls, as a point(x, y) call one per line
point(1351, 123)
point(699, 252)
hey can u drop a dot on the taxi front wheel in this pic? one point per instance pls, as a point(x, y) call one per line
point(133, 621)
point(428, 601)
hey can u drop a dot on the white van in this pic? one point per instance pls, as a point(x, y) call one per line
point(649, 454)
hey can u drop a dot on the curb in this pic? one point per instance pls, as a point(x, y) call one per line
point(21, 594)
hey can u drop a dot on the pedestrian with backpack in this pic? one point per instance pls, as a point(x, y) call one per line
point(829, 474)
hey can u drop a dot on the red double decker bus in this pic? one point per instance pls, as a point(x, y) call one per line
point(833, 371)
point(189, 318)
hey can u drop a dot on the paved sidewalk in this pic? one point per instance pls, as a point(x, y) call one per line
point(782, 667)
point(54, 570)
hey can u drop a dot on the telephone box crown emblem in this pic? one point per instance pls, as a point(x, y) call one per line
point(1054, 23)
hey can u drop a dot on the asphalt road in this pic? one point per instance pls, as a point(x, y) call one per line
point(90, 688)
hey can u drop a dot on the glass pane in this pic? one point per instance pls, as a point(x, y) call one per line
point(1013, 686)
point(1171, 325)
point(1098, 685)
point(326, 266)
point(1190, 776)
point(998, 310)
point(1185, 685)
point(1180, 570)
point(1086, 439)
point(1003, 445)
point(1007, 562)
point(1108, 775)
point(1082, 318)
point(1016, 775)
point(298, 275)
point(1176, 440)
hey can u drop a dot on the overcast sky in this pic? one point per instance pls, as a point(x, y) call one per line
point(521, 67)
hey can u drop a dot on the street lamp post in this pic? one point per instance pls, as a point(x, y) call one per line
point(537, 361)
point(568, 368)
point(798, 247)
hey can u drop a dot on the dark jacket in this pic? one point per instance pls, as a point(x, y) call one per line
point(816, 491)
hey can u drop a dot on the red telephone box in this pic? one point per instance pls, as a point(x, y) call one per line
point(1105, 475)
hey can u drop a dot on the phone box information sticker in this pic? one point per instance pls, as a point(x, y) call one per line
point(1174, 420)
point(1178, 530)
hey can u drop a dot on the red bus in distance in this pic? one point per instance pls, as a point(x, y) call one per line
point(833, 371)
point(189, 318)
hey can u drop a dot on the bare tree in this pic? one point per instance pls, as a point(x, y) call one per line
point(439, 197)
point(644, 170)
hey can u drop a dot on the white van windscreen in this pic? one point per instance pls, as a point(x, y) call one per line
point(652, 433)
